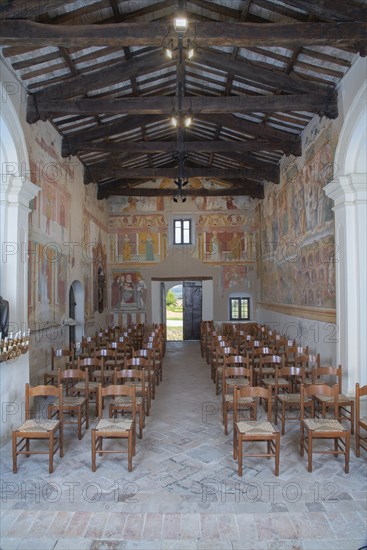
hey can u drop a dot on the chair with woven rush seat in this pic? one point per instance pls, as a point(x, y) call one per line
point(114, 428)
point(130, 377)
point(92, 364)
point(39, 428)
point(60, 358)
point(220, 353)
point(254, 430)
point(141, 363)
point(324, 403)
point(73, 404)
point(323, 428)
point(149, 355)
point(361, 422)
point(286, 395)
point(236, 372)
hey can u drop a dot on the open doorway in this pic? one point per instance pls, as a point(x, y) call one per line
point(174, 313)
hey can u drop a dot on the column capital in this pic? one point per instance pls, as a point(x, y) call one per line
point(18, 191)
point(347, 189)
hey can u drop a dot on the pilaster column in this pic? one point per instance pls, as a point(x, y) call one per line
point(16, 193)
point(350, 206)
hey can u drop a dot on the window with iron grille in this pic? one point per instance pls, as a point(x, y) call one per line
point(239, 309)
point(182, 231)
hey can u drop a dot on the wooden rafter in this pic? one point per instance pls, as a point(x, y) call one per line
point(352, 34)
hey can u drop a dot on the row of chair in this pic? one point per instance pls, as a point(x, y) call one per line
point(130, 383)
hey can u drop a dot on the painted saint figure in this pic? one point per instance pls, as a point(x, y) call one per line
point(149, 250)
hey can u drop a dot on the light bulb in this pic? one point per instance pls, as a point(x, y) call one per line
point(188, 121)
point(190, 53)
point(169, 53)
point(174, 121)
point(180, 24)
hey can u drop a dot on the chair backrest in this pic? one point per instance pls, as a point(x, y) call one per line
point(332, 372)
point(61, 355)
point(236, 372)
point(121, 376)
point(273, 360)
point(291, 374)
point(361, 391)
point(116, 390)
point(254, 392)
point(239, 360)
point(73, 374)
point(42, 391)
point(314, 390)
point(137, 362)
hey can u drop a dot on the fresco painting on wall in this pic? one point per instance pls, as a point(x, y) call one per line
point(224, 238)
point(137, 239)
point(235, 276)
point(47, 278)
point(298, 248)
point(128, 291)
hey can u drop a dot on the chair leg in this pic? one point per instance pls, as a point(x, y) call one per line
point(130, 451)
point(277, 453)
point(225, 418)
point(302, 440)
point(309, 443)
point(51, 453)
point(235, 437)
point(239, 446)
point(14, 447)
point(93, 450)
point(347, 452)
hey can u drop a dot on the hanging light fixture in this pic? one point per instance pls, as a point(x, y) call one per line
point(180, 23)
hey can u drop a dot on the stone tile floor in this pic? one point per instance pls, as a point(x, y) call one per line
point(184, 492)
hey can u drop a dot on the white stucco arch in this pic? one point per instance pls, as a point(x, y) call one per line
point(15, 193)
point(349, 192)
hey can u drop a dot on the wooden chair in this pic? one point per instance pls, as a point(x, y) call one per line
point(323, 428)
point(220, 353)
point(264, 372)
point(236, 372)
point(157, 347)
point(123, 404)
point(114, 428)
point(324, 403)
point(287, 396)
point(149, 355)
point(40, 428)
point(141, 363)
point(361, 423)
point(245, 431)
point(91, 364)
point(73, 405)
point(60, 358)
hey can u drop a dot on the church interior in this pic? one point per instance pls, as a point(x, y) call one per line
point(221, 146)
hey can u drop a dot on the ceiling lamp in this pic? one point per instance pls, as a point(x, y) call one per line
point(174, 121)
point(187, 121)
point(180, 24)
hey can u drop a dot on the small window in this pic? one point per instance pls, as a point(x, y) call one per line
point(239, 309)
point(182, 232)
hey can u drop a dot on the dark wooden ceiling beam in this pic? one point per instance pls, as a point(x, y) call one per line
point(321, 103)
point(105, 170)
point(250, 71)
point(331, 10)
point(255, 190)
point(71, 147)
point(240, 34)
point(29, 9)
point(118, 72)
